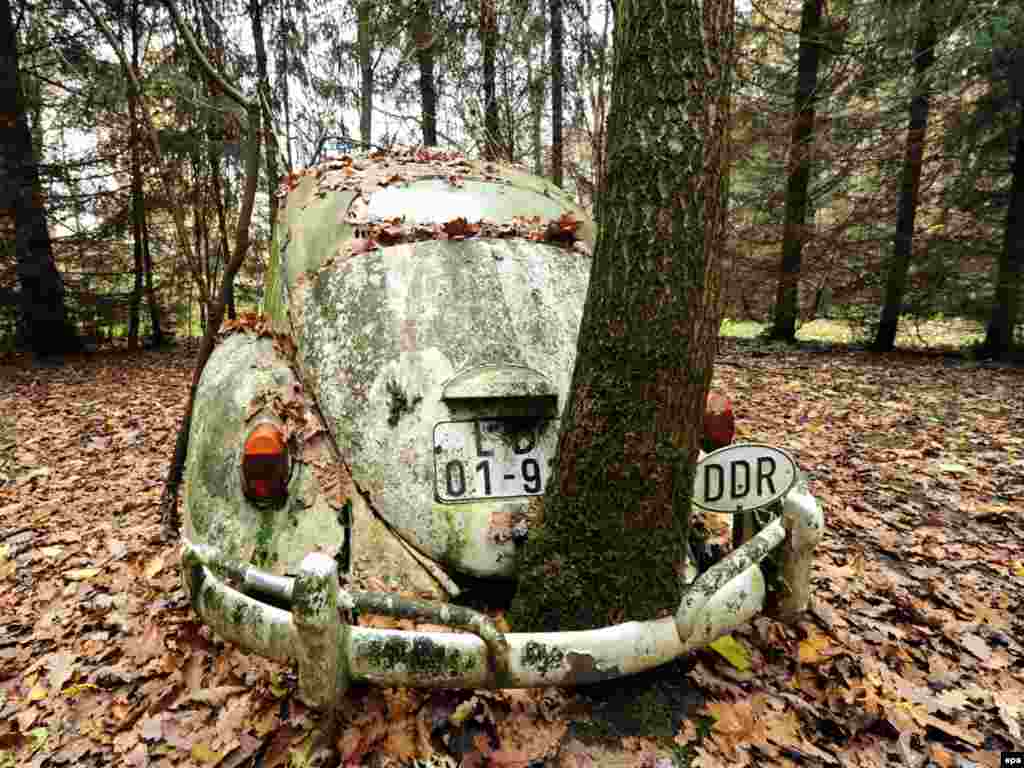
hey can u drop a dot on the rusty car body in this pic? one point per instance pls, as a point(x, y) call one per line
point(415, 351)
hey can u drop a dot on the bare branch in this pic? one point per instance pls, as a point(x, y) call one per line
point(210, 70)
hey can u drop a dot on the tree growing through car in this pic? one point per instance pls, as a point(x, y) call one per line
point(615, 518)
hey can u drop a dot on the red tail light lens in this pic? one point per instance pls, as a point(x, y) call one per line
point(265, 464)
point(719, 422)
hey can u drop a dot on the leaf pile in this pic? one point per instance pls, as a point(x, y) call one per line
point(911, 656)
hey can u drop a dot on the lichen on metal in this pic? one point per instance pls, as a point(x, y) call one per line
point(498, 380)
point(394, 658)
point(446, 614)
point(805, 525)
point(238, 618)
point(323, 676)
point(698, 595)
point(244, 370)
point(411, 317)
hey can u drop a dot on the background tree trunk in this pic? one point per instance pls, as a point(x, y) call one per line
point(787, 297)
point(999, 335)
point(423, 38)
point(917, 129)
point(138, 200)
point(154, 306)
point(263, 89)
point(364, 42)
point(536, 80)
point(489, 44)
point(22, 208)
point(612, 545)
point(557, 90)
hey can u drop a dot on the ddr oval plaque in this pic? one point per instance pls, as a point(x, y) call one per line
point(743, 477)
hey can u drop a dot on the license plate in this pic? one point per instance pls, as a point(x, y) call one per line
point(489, 459)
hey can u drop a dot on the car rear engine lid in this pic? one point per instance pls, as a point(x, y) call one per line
point(493, 380)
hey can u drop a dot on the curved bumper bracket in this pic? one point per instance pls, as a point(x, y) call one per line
point(323, 675)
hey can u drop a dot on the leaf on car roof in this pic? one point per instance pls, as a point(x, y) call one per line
point(459, 228)
point(362, 245)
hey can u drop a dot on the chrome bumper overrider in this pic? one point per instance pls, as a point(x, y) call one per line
point(332, 652)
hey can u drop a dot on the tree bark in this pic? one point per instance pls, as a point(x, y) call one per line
point(787, 296)
point(138, 203)
point(285, 37)
point(917, 129)
point(154, 306)
point(612, 545)
point(999, 335)
point(41, 289)
point(269, 139)
point(366, 71)
point(489, 45)
point(557, 86)
point(423, 39)
point(536, 81)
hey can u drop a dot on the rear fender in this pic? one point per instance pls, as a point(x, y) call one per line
point(245, 379)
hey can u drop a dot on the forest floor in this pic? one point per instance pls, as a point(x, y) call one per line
point(912, 655)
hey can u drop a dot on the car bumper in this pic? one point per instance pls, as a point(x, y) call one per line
point(317, 629)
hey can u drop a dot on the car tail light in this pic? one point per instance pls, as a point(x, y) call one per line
point(719, 422)
point(265, 464)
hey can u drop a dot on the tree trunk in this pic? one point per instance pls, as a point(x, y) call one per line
point(138, 203)
point(141, 232)
point(423, 38)
point(137, 226)
point(536, 81)
point(269, 139)
point(612, 545)
point(999, 335)
point(489, 44)
point(917, 129)
point(286, 25)
point(40, 286)
point(366, 70)
point(557, 85)
point(786, 300)
point(154, 306)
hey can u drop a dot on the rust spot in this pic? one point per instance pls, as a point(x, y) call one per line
point(407, 336)
point(509, 523)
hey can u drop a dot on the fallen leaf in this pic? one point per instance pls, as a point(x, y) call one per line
point(362, 245)
point(38, 693)
point(732, 651)
point(976, 645)
point(816, 648)
point(62, 666)
point(154, 566)
point(153, 728)
point(80, 574)
point(203, 753)
point(26, 718)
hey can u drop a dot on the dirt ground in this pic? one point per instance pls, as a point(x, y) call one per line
point(912, 655)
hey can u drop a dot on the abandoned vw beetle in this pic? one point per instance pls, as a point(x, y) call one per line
point(381, 430)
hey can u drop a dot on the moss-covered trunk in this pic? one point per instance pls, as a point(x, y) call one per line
point(612, 545)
